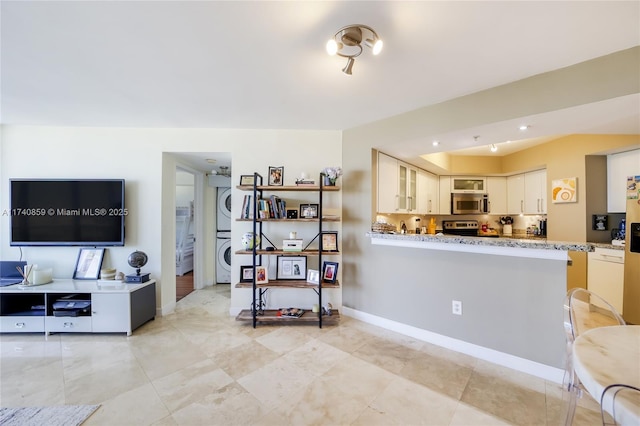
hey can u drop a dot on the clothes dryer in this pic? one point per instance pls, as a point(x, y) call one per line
point(223, 216)
point(223, 257)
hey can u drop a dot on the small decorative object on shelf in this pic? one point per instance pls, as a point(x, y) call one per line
point(248, 240)
point(137, 260)
point(331, 175)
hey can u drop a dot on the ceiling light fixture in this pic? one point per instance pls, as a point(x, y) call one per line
point(347, 42)
point(494, 148)
point(435, 143)
point(524, 127)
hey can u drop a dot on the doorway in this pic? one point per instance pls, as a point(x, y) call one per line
point(185, 232)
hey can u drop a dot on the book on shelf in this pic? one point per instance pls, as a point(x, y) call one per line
point(290, 312)
point(305, 182)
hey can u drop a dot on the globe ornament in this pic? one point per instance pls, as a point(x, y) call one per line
point(248, 241)
point(137, 260)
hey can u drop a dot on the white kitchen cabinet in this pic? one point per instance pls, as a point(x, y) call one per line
point(387, 184)
point(605, 275)
point(497, 191)
point(397, 186)
point(427, 202)
point(444, 195)
point(619, 167)
point(515, 194)
point(535, 192)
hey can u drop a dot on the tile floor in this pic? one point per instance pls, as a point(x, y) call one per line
point(198, 366)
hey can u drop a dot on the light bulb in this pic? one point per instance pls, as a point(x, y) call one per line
point(332, 47)
point(377, 47)
point(494, 148)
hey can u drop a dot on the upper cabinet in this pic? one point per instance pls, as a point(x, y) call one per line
point(427, 193)
point(397, 186)
point(472, 185)
point(535, 192)
point(497, 191)
point(619, 167)
point(445, 195)
point(527, 193)
point(515, 194)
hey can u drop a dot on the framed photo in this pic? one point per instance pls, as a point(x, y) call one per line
point(329, 272)
point(89, 264)
point(330, 241)
point(291, 268)
point(564, 190)
point(247, 180)
point(308, 211)
point(276, 176)
point(246, 273)
point(261, 275)
point(313, 276)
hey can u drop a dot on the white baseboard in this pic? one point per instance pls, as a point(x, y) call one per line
point(533, 368)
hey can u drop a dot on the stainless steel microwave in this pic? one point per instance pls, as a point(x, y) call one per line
point(469, 203)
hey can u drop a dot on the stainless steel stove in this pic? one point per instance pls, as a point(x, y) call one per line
point(465, 228)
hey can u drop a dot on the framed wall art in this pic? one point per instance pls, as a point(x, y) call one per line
point(308, 211)
point(291, 268)
point(330, 241)
point(246, 273)
point(564, 190)
point(329, 272)
point(88, 264)
point(247, 180)
point(276, 176)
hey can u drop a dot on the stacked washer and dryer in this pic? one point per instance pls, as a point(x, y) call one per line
point(223, 236)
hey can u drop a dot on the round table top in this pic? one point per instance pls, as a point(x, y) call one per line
point(611, 355)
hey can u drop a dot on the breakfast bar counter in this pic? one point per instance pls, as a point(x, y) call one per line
point(531, 248)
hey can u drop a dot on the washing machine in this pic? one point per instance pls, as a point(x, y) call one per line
point(223, 217)
point(223, 257)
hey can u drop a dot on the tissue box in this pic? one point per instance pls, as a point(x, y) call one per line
point(292, 245)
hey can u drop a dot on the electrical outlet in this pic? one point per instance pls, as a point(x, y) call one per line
point(456, 307)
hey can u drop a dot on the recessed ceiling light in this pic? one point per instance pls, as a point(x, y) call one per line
point(435, 143)
point(211, 161)
point(524, 127)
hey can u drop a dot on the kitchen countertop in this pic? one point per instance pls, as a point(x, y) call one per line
point(608, 246)
point(526, 247)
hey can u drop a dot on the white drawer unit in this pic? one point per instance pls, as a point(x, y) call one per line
point(114, 307)
point(20, 324)
point(605, 275)
point(67, 324)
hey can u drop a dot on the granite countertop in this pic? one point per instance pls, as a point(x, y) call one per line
point(510, 242)
point(608, 246)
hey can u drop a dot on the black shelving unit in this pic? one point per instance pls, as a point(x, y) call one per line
point(257, 312)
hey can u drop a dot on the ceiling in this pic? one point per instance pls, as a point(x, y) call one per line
point(262, 64)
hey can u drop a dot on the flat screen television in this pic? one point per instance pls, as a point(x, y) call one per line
point(62, 212)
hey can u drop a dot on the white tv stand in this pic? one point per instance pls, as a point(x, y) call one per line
point(116, 307)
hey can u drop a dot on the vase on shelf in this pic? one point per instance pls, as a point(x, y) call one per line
point(329, 181)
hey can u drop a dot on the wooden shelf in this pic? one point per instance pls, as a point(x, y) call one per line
point(324, 219)
point(290, 253)
point(288, 284)
point(288, 188)
point(271, 316)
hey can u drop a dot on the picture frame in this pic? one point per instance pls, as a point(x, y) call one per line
point(246, 273)
point(292, 214)
point(308, 211)
point(313, 276)
point(247, 180)
point(276, 176)
point(88, 264)
point(262, 276)
point(329, 241)
point(329, 272)
point(291, 268)
point(564, 190)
